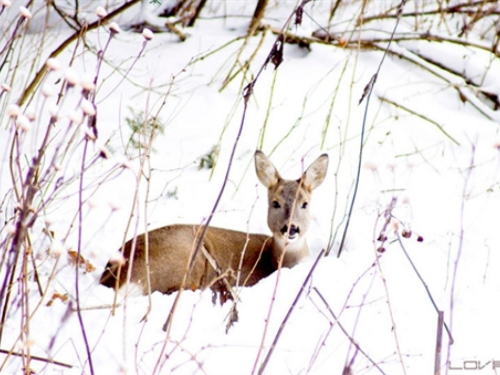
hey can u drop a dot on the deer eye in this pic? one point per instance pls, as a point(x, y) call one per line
point(276, 204)
point(304, 205)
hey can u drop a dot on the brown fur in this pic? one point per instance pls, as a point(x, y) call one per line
point(170, 247)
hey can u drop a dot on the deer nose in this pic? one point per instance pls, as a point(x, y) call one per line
point(292, 232)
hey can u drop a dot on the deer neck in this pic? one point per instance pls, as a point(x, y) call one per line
point(295, 252)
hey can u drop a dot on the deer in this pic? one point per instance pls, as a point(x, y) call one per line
point(227, 258)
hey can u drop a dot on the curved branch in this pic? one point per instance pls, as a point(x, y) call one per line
point(94, 25)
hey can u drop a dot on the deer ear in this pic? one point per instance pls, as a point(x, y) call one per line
point(266, 171)
point(315, 174)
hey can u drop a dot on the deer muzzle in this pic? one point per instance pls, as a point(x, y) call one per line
point(291, 233)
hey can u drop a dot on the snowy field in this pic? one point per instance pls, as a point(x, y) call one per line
point(423, 236)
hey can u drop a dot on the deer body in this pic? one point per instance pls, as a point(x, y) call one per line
point(225, 256)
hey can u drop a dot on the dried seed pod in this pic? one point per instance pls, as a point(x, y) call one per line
point(147, 34)
point(25, 12)
point(406, 233)
point(30, 113)
point(298, 15)
point(54, 110)
point(23, 123)
point(382, 237)
point(101, 12)
point(53, 64)
point(90, 135)
point(87, 82)
point(104, 153)
point(71, 77)
point(76, 116)
point(277, 52)
point(114, 28)
point(48, 90)
point(13, 110)
point(87, 107)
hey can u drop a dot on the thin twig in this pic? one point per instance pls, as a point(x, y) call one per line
point(467, 178)
point(200, 237)
point(382, 238)
point(351, 339)
point(289, 313)
point(28, 191)
point(275, 290)
point(452, 9)
point(367, 94)
point(414, 113)
point(77, 265)
point(37, 358)
point(10, 42)
point(424, 284)
point(38, 76)
point(247, 93)
point(439, 342)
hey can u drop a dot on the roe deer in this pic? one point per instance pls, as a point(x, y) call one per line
point(226, 256)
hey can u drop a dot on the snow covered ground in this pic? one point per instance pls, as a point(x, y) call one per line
point(430, 143)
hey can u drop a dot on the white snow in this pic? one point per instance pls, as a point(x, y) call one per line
point(440, 160)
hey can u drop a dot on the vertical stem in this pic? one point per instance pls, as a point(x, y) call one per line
point(258, 14)
point(367, 94)
point(77, 270)
point(289, 313)
point(26, 312)
point(461, 235)
point(439, 341)
point(197, 11)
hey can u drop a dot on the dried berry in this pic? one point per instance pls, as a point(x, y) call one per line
point(406, 233)
point(382, 237)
